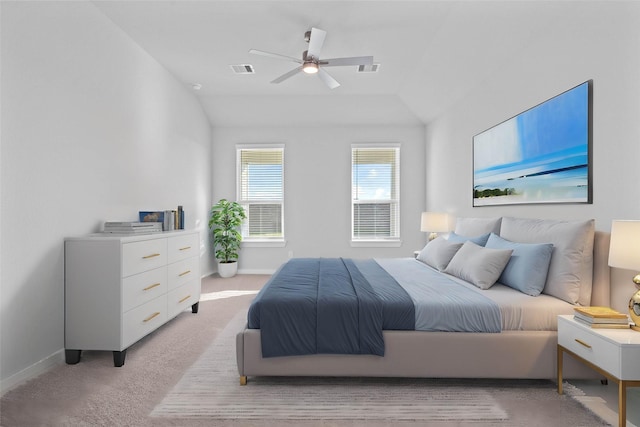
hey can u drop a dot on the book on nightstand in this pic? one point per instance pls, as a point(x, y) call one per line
point(624, 325)
point(601, 317)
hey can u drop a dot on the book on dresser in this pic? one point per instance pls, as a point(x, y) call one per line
point(601, 317)
point(127, 227)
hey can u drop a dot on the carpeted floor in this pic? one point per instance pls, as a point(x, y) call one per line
point(195, 351)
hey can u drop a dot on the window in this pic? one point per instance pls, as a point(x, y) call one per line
point(375, 189)
point(261, 192)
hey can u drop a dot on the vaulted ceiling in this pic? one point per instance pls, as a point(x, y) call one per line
point(431, 53)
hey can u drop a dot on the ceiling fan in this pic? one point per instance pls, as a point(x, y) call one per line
point(311, 62)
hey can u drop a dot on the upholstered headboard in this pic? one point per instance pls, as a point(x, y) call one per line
point(601, 291)
point(581, 264)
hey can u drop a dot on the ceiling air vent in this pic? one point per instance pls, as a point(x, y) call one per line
point(373, 68)
point(243, 69)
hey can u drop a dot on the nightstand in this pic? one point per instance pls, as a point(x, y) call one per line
point(615, 353)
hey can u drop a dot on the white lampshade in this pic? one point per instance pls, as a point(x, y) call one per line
point(434, 222)
point(624, 251)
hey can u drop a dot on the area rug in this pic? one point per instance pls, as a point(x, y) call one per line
point(210, 389)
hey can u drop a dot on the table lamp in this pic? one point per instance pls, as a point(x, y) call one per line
point(434, 223)
point(624, 252)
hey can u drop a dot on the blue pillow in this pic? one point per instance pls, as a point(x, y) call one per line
point(478, 240)
point(527, 269)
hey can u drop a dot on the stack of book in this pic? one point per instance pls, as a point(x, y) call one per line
point(118, 227)
point(601, 317)
point(170, 219)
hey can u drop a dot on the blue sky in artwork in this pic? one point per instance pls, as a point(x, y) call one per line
point(552, 136)
point(554, 126)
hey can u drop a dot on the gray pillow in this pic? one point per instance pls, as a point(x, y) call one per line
point(438, 252)
point(478, 265)
point(477, 226)
point(527, 268)
point(571, 267)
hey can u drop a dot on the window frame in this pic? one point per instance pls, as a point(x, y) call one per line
point(247, 240)
point(395, 239)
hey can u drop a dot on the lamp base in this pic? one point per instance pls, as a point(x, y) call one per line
point(634, 310)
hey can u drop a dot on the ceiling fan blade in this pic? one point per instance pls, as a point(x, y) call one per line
point(285, 76)
point(315, 42)
point(327, 79)
point(354, 60)
point(275, 55)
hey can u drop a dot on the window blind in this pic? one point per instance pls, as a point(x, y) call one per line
point(261, 192)
point(375, 191)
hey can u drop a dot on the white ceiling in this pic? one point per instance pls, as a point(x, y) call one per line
point(432, 53)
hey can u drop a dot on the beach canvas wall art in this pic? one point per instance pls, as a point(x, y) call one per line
point(542, 155)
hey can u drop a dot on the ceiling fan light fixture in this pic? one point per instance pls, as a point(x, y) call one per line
point(310, 67)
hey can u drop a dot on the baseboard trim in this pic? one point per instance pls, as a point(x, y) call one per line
point(251, 271)
point(31, 372)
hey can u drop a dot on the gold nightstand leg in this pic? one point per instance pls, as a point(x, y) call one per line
point(622, 403)
point(559, 354)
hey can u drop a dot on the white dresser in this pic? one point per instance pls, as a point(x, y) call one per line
point(119, 288)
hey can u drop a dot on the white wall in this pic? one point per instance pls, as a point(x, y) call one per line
point(318, 188)
point(597, 41)
point(93, 129)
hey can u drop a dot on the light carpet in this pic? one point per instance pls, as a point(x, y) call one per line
point(210, 389)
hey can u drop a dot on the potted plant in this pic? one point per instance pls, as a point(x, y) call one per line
point(225, 220)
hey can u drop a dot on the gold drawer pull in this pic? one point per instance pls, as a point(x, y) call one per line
point(151, 317)
point(184, 274)
point(184, 299)
point(150, 256)
point(151, 286)
point(186, 248)
point(582, 343)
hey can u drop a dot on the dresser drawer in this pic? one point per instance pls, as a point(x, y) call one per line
point(589, 346)
point(143, 287)
point(183, 247)
point(183, 297)
point(182, 272)
point(143, 256)
point(141, 320)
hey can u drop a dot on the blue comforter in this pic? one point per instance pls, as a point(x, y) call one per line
point(341, 306)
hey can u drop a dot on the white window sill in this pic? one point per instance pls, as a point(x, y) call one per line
point(263, 243)
point(376, 243)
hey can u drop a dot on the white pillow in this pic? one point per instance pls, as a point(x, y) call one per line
point(438, 252)
point(473, 227)
point(571, 267)
point(478, 265)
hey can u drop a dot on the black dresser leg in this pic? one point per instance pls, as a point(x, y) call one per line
point(118, 358)
point(72, 356)
point(194, 307)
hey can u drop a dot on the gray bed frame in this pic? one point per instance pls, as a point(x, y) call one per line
point(419, 354)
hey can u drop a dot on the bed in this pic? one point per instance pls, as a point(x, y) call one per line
point(572, 270)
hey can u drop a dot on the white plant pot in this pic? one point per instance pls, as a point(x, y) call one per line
point(227, 269)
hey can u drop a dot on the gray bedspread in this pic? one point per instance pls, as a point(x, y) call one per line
point(442, 304)
point(341, 306)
